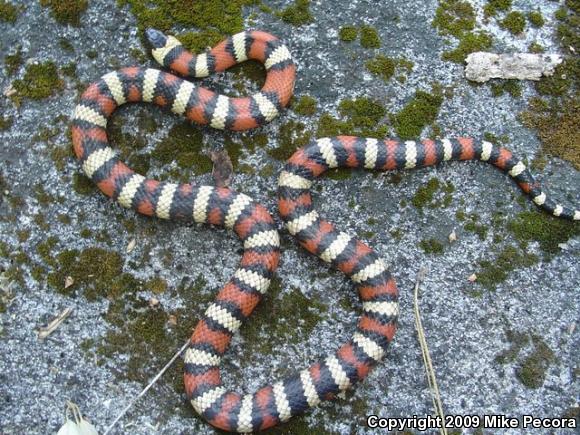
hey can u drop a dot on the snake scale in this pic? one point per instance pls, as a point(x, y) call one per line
point(253, 224)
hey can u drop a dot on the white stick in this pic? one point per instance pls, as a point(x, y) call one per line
point(142, 393)
point(431, 379)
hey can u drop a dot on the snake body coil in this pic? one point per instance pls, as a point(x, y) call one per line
point(252, 223)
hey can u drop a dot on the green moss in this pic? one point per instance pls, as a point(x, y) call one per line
point(339, 174)
point(556, 116)
point(469, 43)
point(477, 228)
point(306, 106)
point(518, 341)
point(369, 37)
point(82, 184)
point(362, 112)
point(297, 14)
point(532, 371)
point(292, 135)
point(425, 194)
point(536, 48)
point(146, 336)
point(66, 45)
point(284, 317)
point(39, 81)
point(348, 33)
point(568, 28)
point(421, 111)
point(494, 6)
point(514, 22)
point(157, 285)
point(96, 271)
point(510, 259)
point(64, 219)
point(431, 246)
point(184, 144)
point(381, 66)
point(454, 17)
point(512, 87)
point(535, 18)
point(66, 11)
point(13, 62)
point(70, 70)
point(42, 196)
point(8, 12)
point(92, 54)
point(60, 155)
point(23, 235)
point(252, 140)
point(198, 42)
point(5, 123)
point(540, 227)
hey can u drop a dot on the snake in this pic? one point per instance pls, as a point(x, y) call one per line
point(252, 223)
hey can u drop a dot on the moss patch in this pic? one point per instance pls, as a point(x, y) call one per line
point(531, 370)
point(285, 317)
point(359, 117)
point(369, 37)
point(66, 11)
point(5, 123)
point(39, 81)
point(421, 111)
point(469, 43)
point(13, 62)
point(96, 271)
point(348, 33)
point(454, 17)
point(297, 14)
point(305, 106)
point(500, 87)
point(184, 144)
point(292, 135)
point(547, 230)
point(514, 22)
point(431, 246)
point(385, 67)
point(82, 184)
point(510, 259)
point(535, 18)
point(8, 12)
point(494, 6)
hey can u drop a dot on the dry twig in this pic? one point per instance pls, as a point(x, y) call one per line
point(149, 385)
point(431, 379)
point(45, 331)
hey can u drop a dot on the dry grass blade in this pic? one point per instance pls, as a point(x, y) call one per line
point(149, 385)
point(55, 323)
point(431, 379)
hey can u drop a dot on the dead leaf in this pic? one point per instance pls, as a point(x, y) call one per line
point(472, 277)
point(452, 237)
point(172, 320)
point(9, 91)
point(153, 302)
point(222, 168)
point(131, 245)
point(68, 281)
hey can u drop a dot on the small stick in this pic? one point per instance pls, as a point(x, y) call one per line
point(149, 385)
point(431, 379)
point(45, 331)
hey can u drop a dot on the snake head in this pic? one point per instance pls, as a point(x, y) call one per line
point(156, 38)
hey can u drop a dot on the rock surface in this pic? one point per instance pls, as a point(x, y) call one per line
point(511, 348)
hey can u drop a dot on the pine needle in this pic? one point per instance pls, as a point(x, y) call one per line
point(431, 379)
point(149, 385)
